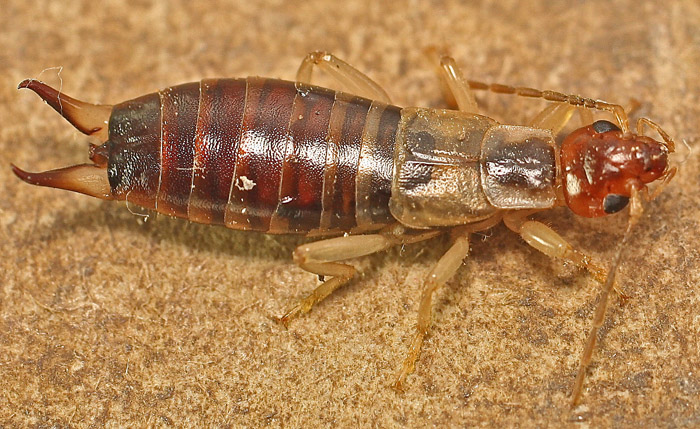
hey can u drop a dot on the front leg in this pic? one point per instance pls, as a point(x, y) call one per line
point(549, 242)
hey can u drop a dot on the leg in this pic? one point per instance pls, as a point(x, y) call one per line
point(457, 85)
point(448, 264)
point(585, 116)
point(554, 117)
point(320, 258)
point(346, 75)
point(549, 242)
point(463, 95)
point(454, 86)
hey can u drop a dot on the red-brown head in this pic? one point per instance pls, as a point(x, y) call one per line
point(602, 166)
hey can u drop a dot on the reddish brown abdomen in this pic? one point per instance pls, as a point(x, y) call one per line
point(257, 154)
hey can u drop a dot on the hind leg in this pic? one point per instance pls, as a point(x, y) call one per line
point(346, 75)
point(322, 258)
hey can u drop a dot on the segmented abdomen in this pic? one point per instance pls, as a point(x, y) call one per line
point(257, 154)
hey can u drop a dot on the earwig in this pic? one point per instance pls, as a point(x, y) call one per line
point(289, 157)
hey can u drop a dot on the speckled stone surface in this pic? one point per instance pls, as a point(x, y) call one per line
point(107, 320)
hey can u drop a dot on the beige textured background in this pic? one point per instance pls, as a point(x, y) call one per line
point(109, 321)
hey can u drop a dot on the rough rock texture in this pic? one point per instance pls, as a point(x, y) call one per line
point(107, 320)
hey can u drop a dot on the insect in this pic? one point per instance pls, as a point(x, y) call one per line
point(289, 157)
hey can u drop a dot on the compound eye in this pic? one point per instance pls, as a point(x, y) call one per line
point(613, 203)
point(604, 126)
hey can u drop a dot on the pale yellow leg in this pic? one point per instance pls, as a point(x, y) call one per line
point(554, 117)
point(321, 258)
point(446, 267)
point(458, 86)
point(585, 116)
point(350, 79)
point(549, 242)
point(448, 264)
point(454, 87)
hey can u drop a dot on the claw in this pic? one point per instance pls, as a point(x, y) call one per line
point(90, 119)
point(289, 315)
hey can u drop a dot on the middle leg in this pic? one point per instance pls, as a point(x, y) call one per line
point(446, 267)
point(458, 86)
point(454, 86)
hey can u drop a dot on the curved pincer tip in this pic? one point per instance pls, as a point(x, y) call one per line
point(24, 84)
point(90, 119)
point(26, 177)
point(86, 179)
